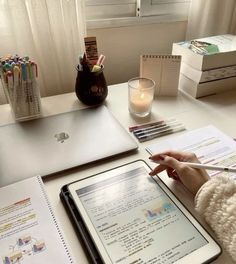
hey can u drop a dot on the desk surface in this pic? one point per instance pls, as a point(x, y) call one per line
point(218, 110)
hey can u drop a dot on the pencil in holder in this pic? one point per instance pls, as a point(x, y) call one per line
point(19, 80)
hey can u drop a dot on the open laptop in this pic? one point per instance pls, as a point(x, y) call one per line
point(47, 145)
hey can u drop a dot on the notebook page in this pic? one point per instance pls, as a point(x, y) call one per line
point(29, 232)
point(211, 146)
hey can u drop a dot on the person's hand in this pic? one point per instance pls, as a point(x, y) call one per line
point(170, 161)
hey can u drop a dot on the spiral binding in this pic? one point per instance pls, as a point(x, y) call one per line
point(162, 56)
point(54, 219)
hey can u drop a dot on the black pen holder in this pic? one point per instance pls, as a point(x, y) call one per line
point(91, 87)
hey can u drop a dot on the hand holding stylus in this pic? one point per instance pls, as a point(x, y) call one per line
point(172, 162)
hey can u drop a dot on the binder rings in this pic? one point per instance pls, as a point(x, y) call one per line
point(164, 70)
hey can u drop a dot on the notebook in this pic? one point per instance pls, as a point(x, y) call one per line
point(164, 70)
point(26, 220)
point(55, 143)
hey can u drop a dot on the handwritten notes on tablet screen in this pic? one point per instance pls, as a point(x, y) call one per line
point(164, 70)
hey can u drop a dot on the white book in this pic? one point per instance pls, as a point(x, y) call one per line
point(29, 231)
point(225, 56)
point(198, 90)
point(207, 75)
point(164, 70)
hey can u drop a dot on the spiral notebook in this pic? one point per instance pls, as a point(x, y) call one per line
point(29, 230)
point(164, 70)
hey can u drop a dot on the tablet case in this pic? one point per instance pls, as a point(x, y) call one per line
point(80, 227)
point(78, 223)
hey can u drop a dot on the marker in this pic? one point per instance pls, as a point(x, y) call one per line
point(23, 71)
point(16, 75)
point(6, 67)
point(156, 130)
point(79, 66)
point(155, 127)
point(149, 124)
point(34, 69)
point(12, 65)
point(1, 68)
point(10, 85)
point(28, 71)
point(163, 132)
point(100, 60)
point(85, 64)
point(9, 78)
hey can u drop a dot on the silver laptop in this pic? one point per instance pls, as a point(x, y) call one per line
point(55, 143)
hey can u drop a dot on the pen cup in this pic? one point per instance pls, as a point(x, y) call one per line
point(91, 87)
point(140, 96)
point(22, 91)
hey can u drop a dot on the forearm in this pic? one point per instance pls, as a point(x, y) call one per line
point(216, 201)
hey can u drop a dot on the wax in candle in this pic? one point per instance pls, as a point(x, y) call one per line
point(141, 92)
point(141, 102)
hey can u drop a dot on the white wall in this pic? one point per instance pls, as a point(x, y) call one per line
point(122, 46)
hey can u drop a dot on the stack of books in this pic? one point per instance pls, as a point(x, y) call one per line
point(208, 65)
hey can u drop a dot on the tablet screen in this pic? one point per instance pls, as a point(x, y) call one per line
point(132, 218)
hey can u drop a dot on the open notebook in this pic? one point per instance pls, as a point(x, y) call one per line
point(30, 232)
point(55, 143)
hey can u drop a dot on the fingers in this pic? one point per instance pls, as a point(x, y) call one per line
point(172, 162)
point(165, 162)
point(169, 161)
point(172, 174)
point(179, 155)
point(158, 169)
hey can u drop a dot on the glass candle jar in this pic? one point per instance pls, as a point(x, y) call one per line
point(140, 96)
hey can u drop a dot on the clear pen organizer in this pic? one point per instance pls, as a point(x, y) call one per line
point(24, 99)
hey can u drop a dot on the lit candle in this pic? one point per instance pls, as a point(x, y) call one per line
point(141, 101)
point(141, 92)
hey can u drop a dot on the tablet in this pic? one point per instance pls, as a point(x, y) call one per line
point(134, 218)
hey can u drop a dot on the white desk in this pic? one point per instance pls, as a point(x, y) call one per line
point(218, 110)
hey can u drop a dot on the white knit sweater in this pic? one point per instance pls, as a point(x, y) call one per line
point(216, 201)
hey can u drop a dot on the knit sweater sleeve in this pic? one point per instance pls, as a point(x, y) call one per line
point(216, 201)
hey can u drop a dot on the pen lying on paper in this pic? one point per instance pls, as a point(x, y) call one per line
point(205, 166)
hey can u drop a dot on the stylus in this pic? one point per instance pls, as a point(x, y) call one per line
point(205, 166)
point(209, 167)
